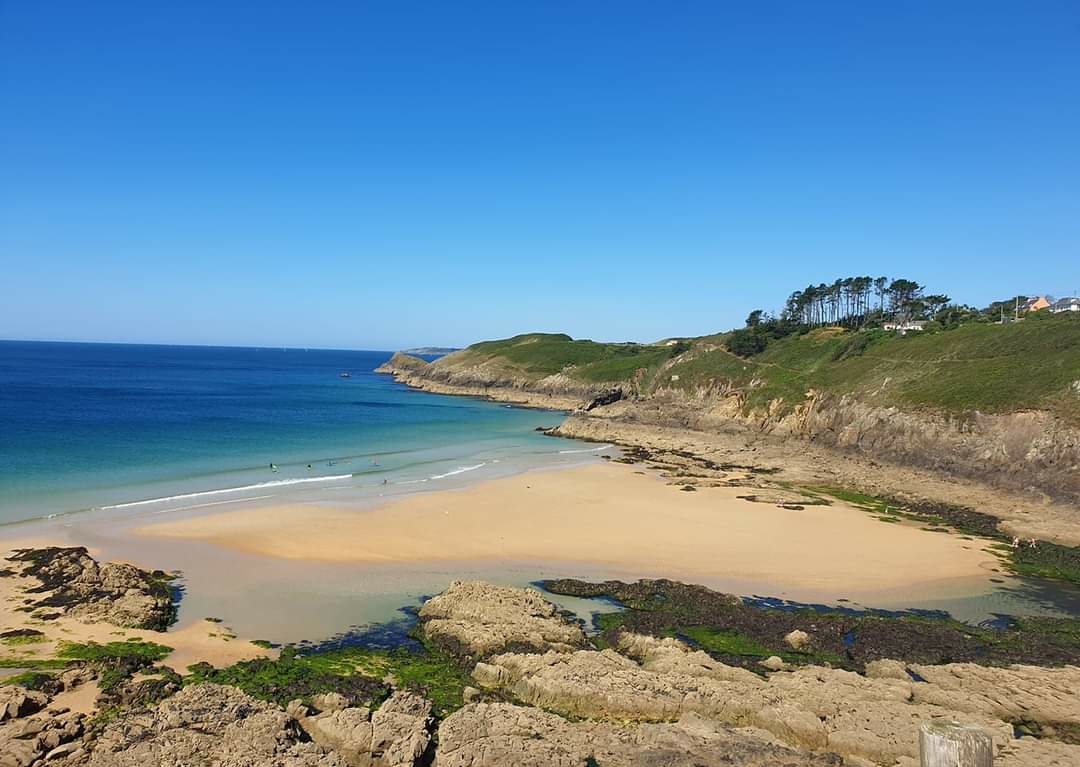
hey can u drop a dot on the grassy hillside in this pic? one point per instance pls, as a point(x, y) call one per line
point(1034, 364)
point(536, 355)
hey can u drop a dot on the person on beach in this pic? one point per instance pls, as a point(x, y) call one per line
point(1016, 542)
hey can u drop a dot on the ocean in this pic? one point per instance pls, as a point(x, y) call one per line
point(88, 428)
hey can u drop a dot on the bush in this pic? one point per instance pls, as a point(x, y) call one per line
point(746, 343)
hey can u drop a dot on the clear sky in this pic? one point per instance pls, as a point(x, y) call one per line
point(385, 174)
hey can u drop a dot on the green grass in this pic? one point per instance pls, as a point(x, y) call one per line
point(977, 367)
point(1032, 364)
point(537, 355)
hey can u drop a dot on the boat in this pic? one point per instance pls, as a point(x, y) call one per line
point(344, 374)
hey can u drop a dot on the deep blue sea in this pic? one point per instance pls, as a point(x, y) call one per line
point(87, 427)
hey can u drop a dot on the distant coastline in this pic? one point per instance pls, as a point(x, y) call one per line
point(440, 350)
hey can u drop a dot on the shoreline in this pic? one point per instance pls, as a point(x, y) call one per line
point(646, 423)
point(607, 517)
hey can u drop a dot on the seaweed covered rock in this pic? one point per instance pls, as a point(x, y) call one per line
point(477, 619)
point(74, 584)
point(501, 734)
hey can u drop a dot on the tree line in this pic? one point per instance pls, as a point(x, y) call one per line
point(858, 301)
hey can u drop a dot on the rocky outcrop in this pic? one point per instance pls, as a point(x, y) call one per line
point(821, 709)
point(74, 584)
point(505, 735)
point(475, 619)
point(30, 733)
point(17, 702)
point(208, 724)
point(402, 363)
point(398, 734)
point(656, 682)
point(457, 373)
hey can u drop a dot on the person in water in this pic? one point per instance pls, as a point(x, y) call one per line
point(273, 468)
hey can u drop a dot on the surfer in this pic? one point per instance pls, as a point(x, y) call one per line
point(273, 467)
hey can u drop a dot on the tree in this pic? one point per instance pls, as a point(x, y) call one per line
point(754, 318)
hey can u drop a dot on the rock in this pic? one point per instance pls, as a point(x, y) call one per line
point(37, 734)
point(471, 694)
point(798, 640)
point(296, 709)
point(1017, 693)
point(16, 701)
point(400, 729)
point(813, 708)
point(67, 749)
point(330, 701)
point(76, 677)
point(505, 735)
point(208, 724)
point(887, 669)
point(73, 581)
point(774, 663)
point(476, 619)
point(396, 735)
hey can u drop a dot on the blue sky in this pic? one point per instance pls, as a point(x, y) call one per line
point(379, 175)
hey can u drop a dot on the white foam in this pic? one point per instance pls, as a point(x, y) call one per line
point(458, 470)
point(586, 450)
point(213, 503)
point(245, 488)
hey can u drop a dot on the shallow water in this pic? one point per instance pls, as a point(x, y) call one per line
point(108, 426)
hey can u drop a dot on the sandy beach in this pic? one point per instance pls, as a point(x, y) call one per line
point(612, 516)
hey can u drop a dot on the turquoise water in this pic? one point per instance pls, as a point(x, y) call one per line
point(87, 427)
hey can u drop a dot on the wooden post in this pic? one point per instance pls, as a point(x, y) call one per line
point(951, 744)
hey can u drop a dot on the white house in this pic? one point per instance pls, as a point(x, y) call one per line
point(905, 326)
point(1066, 305)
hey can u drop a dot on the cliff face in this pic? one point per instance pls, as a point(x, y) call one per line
point(490, 380)
point(1023, 450)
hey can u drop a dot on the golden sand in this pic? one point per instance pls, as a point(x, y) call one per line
point(608, 516)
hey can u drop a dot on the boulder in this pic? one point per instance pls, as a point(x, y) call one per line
point(16, 701)
point(397, 734)
point(476, 619)
point(774, 663)
point(797, 640)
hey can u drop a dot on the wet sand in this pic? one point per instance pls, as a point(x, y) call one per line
point(613, 518)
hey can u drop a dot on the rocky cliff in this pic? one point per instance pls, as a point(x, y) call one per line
point(1029, 450)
